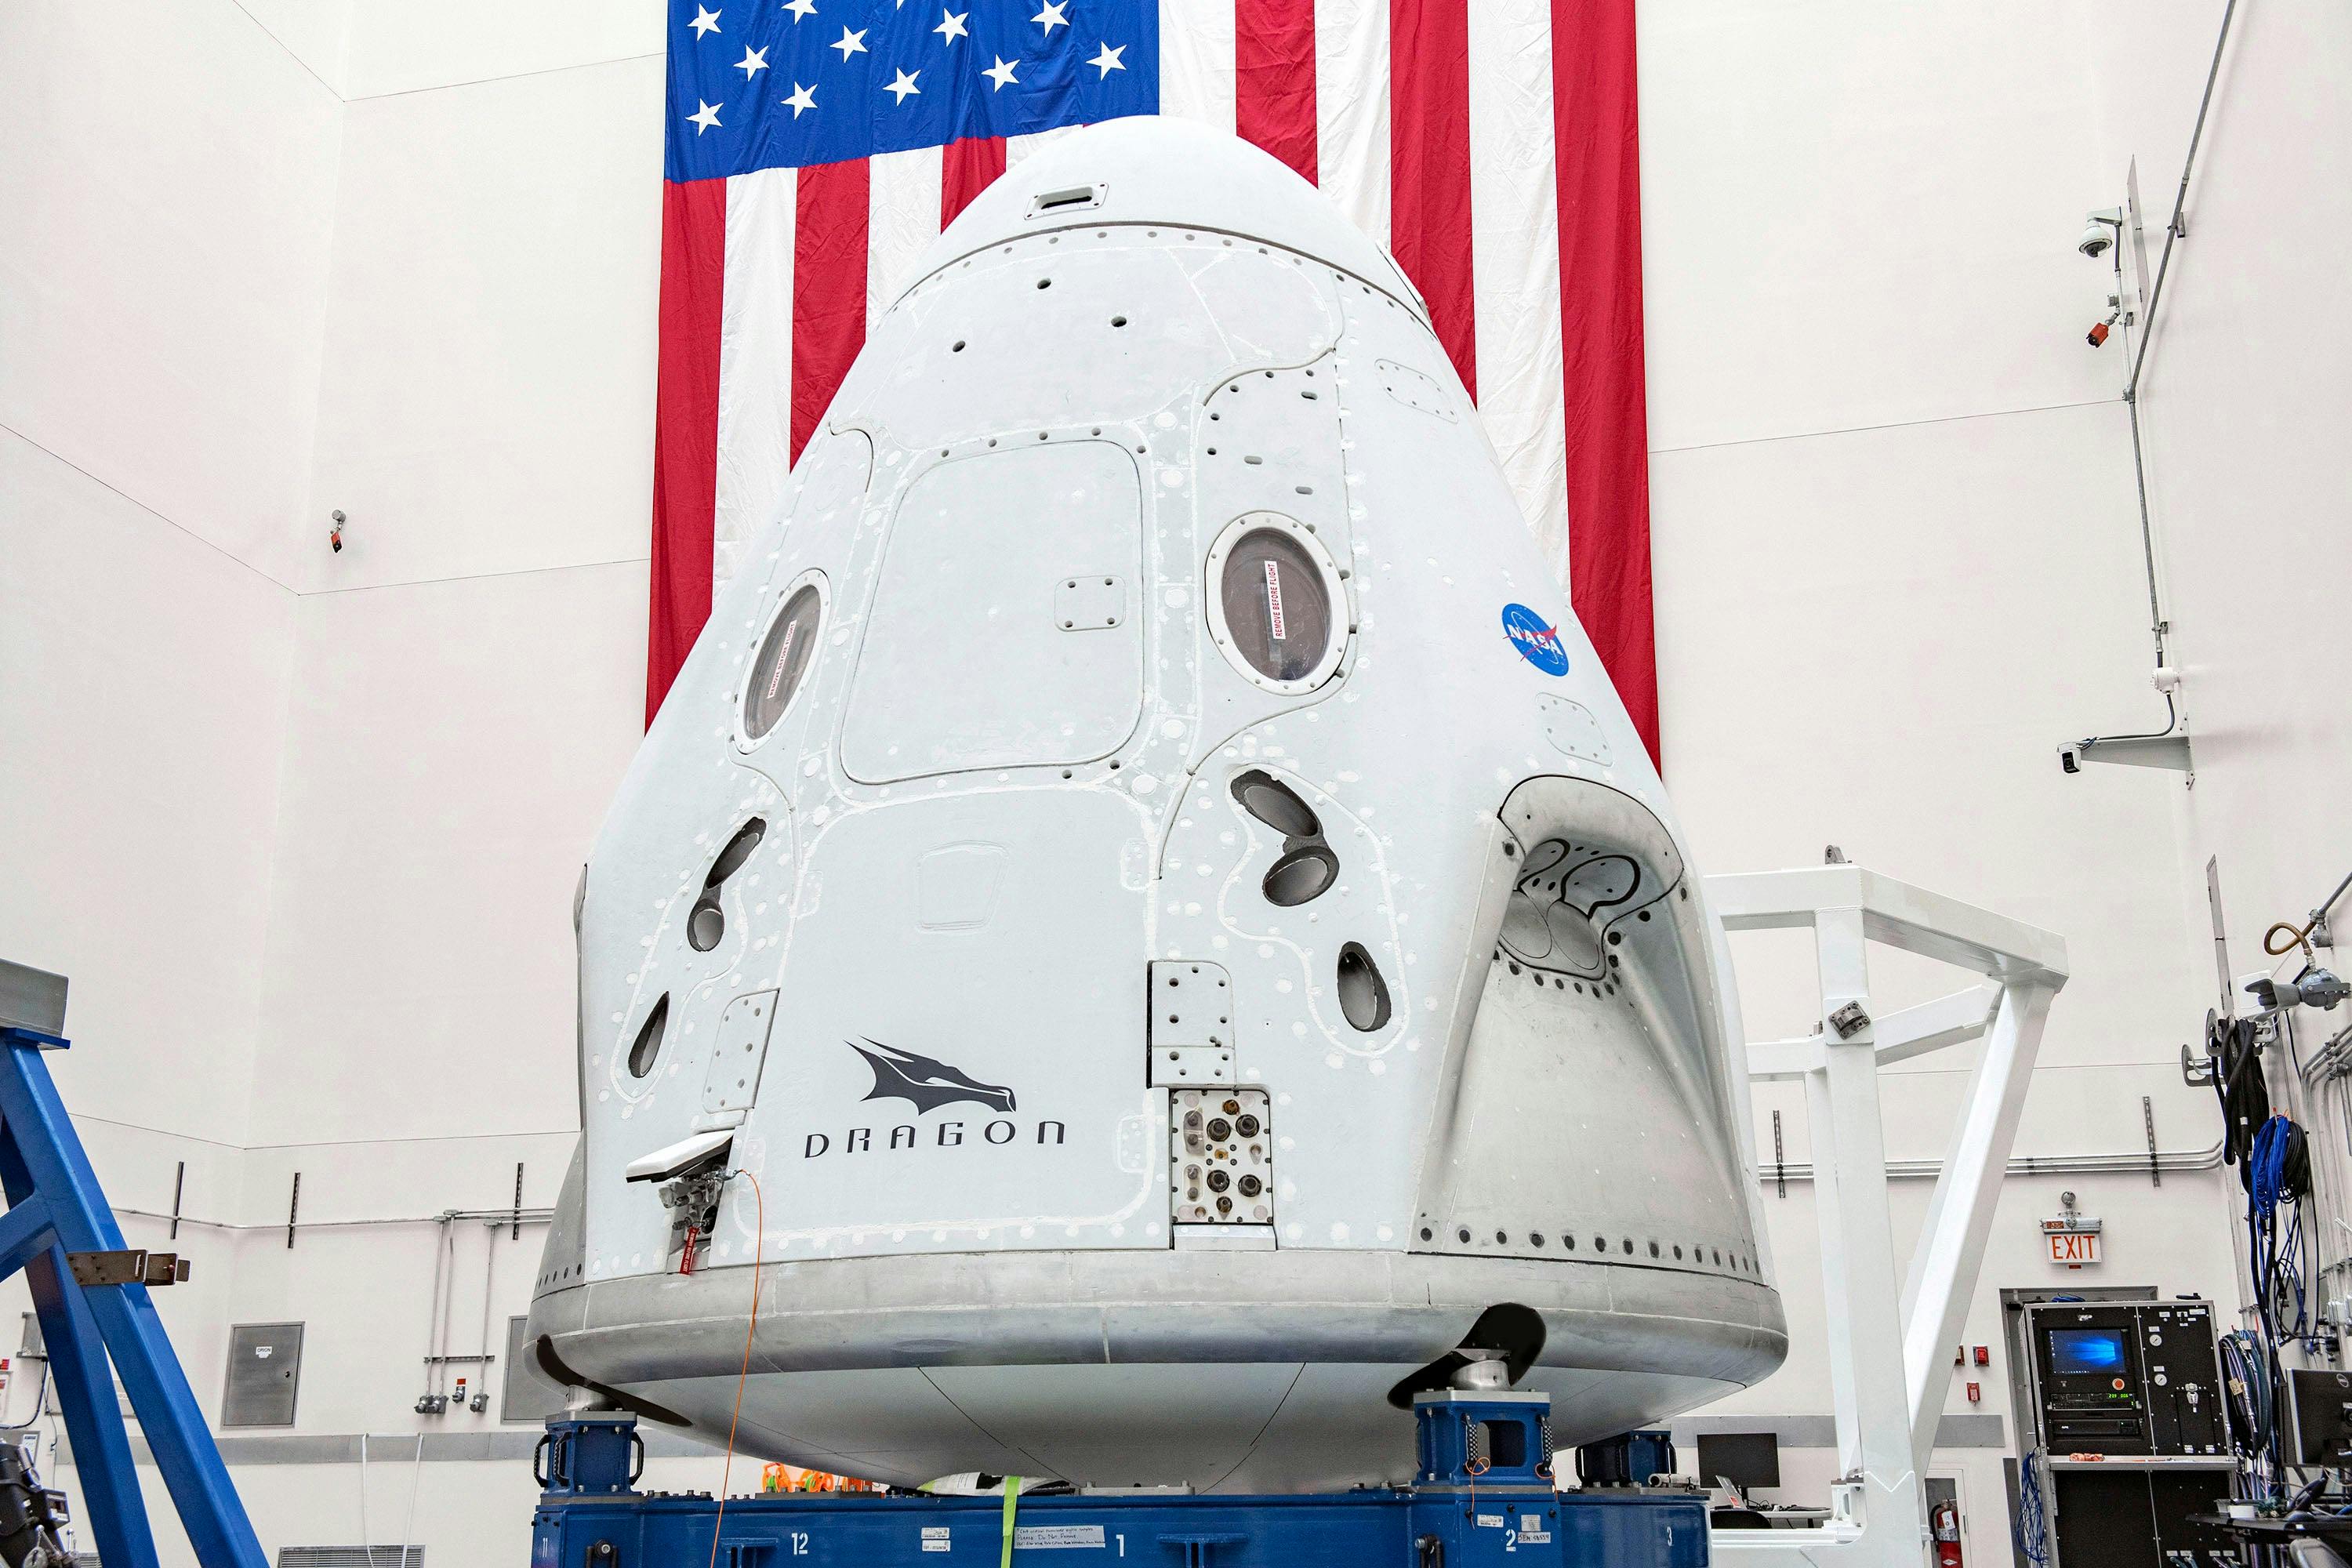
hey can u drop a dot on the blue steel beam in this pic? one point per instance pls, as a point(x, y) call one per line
point(115, 1510)
point(40, 1135)
point(25, 1234)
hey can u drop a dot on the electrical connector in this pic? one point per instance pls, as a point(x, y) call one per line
point(2316, 988)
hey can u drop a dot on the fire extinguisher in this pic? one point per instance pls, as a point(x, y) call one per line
point(1944, 1523)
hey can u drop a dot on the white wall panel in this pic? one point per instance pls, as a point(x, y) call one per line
point(1879, 639)
point(166, 182)
point(143, 706)
point(1858, 214)
point(316, 32)
point(409, 46)
point(487, 403)
point(2249, 381)
point(451, 750)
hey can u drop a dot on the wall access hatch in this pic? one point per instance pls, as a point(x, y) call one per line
point(265, 1373)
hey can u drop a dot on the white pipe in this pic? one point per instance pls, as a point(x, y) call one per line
point(2027, 1165)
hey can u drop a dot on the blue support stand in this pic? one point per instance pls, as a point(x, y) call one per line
point(58, 1218)
point(1482, 1497)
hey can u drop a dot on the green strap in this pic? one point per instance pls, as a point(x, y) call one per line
point(1011, 1502)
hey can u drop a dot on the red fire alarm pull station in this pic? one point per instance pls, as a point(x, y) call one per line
point(1984, 1355)
point(1976, 1392)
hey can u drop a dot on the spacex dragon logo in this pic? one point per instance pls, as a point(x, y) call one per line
point(929, 1084)
point(923, 1082)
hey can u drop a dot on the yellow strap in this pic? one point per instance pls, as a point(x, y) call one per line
point(1011, 1502)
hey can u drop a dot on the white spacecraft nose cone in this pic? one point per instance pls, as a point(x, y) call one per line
point(1142, 914)
point(1153, 169)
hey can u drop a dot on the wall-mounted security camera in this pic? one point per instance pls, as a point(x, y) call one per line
point(2070, 758)
point(2100, 231)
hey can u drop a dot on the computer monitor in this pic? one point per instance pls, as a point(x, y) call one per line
point(1747, 1459)
point(2097, 1352)
point(2320, 1404)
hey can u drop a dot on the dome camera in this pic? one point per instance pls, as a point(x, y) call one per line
point(2100, 231)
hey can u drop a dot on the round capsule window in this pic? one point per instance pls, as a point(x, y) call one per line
point(785, 654)
point(1276, 602)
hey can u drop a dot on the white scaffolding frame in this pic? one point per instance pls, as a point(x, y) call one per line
point(1890, 1335)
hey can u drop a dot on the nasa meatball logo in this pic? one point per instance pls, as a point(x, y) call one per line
point(1537, 640)
point(925, 1082)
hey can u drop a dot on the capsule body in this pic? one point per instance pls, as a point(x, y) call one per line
point(1149, 884)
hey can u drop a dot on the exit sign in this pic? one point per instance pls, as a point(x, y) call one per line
point(2073, 1248)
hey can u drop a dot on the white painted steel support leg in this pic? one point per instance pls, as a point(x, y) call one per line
point(1865, 1314)
point(1887, 1338)
point(1960, 1215)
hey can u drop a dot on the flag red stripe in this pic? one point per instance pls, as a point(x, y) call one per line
point(1428, 167)
point(686, 426)
point(828, 287)
point(966, 169)
point(1273, 79)
point(1595, 133)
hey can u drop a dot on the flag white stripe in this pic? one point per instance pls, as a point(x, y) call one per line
point(1196, 61)
point(755, 381)
point(902, 219)
point(1514, 260)
point(1352, 110)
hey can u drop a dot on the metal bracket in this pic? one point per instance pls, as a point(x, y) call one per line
point(2135, 750)
point(131, 1266)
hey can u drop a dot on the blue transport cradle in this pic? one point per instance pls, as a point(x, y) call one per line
point(1482, 1495)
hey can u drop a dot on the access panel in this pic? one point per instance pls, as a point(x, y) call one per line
point(1000, 634)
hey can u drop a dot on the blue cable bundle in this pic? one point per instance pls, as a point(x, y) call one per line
point(2278, 1172)
point(2278, 1176)
point(2030, 1531)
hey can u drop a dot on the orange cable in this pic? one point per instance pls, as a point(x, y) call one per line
point(759, 1244)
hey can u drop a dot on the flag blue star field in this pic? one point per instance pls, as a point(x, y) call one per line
point(816, 150)
point(755, 84)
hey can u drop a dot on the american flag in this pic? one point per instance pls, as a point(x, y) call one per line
point(815, 148)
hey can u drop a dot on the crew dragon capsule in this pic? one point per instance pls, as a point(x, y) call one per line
point(1142, 918)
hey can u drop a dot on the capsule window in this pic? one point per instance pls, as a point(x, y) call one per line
point(1278, 608)
point(648, 1043)
point(1363, 995)
point(784, 656)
